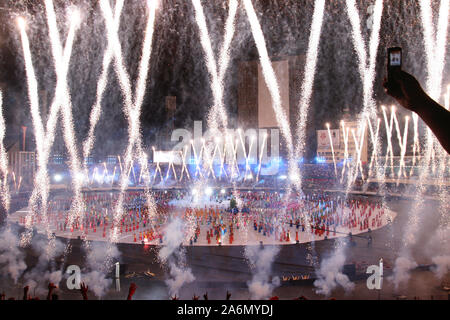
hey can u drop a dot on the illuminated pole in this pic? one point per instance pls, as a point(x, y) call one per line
point(332, 148)
point(260, 156)
point(24, 135)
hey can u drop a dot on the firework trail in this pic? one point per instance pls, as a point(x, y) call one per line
point(101, 86)
point(44, 138)
point(63, 99)
point(308, 80)
point(217, 72)
point(366, 64)
point(132, 108)
point(6, 197)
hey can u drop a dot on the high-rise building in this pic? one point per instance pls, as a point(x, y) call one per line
point(255, 109)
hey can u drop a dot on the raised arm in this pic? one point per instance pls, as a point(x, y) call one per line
point(25, 293)
point(51, 288)
point(131, 291)
point(408, 93)
point(84, 290)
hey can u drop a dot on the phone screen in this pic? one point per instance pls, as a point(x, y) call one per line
point(395, 59)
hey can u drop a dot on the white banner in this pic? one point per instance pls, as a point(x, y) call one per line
point(323, 139)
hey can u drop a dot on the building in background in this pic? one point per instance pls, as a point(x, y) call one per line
point(21, 167)
point(162, 139)
point(255, 108)
point(254, 101)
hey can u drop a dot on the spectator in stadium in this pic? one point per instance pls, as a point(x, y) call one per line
point(84, 290)
point(131, 291)
point(51, 288)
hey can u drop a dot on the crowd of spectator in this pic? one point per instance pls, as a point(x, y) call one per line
point(84, 290)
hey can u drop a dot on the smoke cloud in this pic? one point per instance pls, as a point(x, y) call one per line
point(402, 269)
point(174, 256)
point(46, 269)
point(12, 262)
point(425, 240)
point(442, 265)
point(99, 260)
point(261, 260)
point(330, 275)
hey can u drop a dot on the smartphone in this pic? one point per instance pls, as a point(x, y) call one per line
point(394, 60)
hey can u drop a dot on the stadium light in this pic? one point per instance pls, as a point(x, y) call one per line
point(57, 178)
point(320, 159)
point(222, 191)
point(80, 176)
point(208, 191)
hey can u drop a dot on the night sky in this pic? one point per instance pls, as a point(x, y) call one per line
point(177, 63)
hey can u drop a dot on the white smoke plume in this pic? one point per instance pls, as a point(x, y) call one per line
point(402, 268)
point(425, 239)
point(173, 238)
point(99, 261)
point(178, 277)
point(173, 255)
point(330, 275)
point(12, 262)
point(97, 282)
point(45, 270)
point(442, 265)
point(437, 249)
point(261, 260)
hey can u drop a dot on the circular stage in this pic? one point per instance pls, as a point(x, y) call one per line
point(264, 217)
